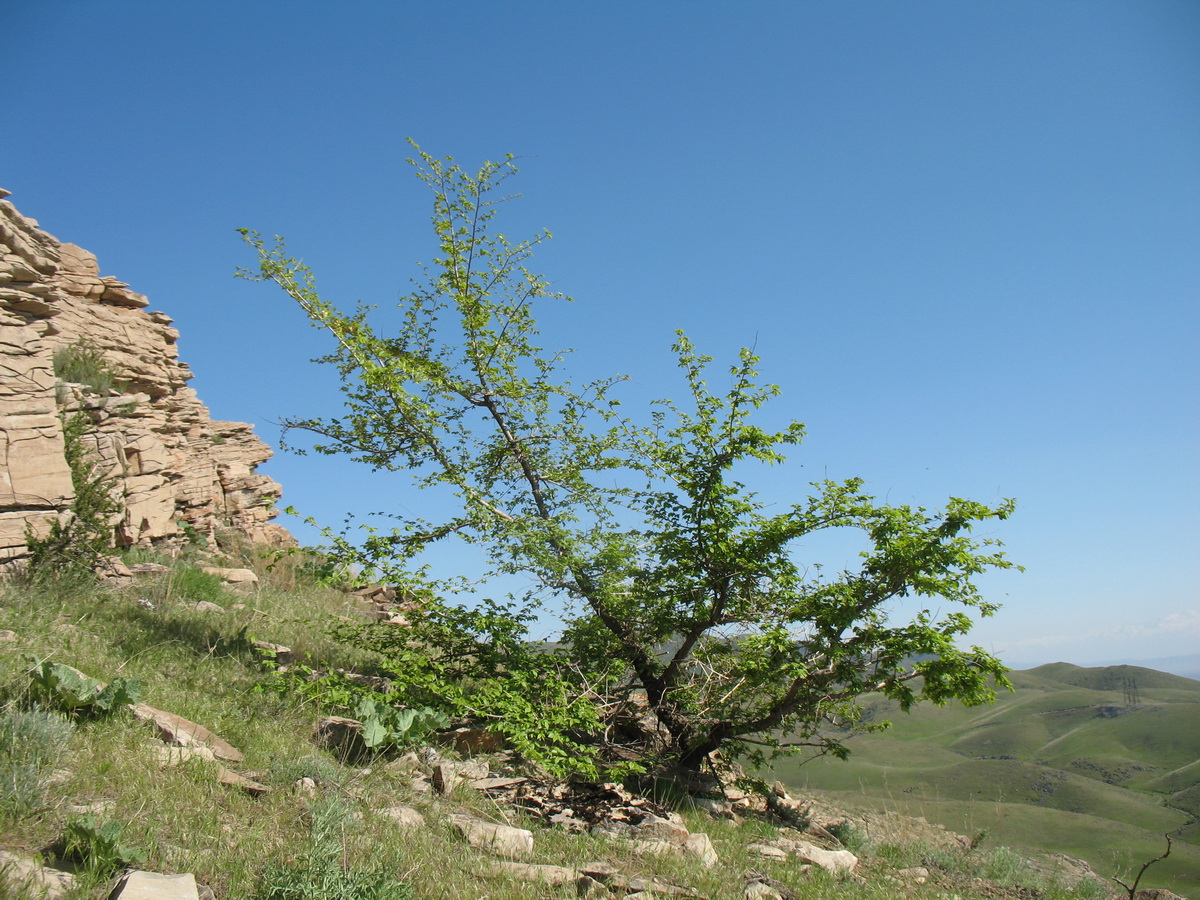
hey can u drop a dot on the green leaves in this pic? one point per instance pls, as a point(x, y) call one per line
point(100, 846)
point(75, 692)
point(384, 725)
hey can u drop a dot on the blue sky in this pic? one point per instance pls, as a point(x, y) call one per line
point(965, 238)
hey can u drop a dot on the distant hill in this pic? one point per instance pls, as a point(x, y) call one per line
point(1112, 678)
point(1187, 666)
point(1095, 762)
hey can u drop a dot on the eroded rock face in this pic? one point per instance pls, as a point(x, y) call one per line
point(177, 468)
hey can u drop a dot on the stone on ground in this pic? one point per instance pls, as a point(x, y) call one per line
point(179, 731)
point(153, 886)
point(404, 816)
point(503, 840)
point(17, 872)
point(837, 862)
point(535, 873)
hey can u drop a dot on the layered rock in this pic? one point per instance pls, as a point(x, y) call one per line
point(176, 469)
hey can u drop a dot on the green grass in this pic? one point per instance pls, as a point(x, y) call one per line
point(1048, 766)
point(202, 665)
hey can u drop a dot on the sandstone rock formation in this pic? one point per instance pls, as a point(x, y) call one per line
point(177, 469)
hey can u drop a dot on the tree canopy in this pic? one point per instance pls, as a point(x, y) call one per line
point(678, 580)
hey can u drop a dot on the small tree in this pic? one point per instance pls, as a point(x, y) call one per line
point(77, 543)
point(676, 579)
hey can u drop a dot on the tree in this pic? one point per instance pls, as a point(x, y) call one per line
point(678, 581)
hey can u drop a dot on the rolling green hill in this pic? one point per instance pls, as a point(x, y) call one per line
point(1096, 763)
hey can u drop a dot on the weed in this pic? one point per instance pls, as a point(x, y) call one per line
point(99, 847)
point(1005, 867)
point(317, 768)
point(77, 693)
point(190, 584)
point(848, 835)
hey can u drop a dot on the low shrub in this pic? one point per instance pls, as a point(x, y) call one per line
point(75, 543)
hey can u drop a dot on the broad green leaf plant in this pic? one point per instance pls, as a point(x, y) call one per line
point(677, 580)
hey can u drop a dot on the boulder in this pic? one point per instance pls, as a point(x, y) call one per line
point(757, 890)
point(234, 577)
point(837, 862)
point(655, 827)
point(700, 846)
point(444, 778)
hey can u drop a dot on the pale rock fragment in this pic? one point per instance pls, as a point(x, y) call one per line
point(404, 816)
point(139, 885)
point(179, 731)
point(503, 840)
point(22, 872)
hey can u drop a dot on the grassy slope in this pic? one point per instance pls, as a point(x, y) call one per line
point(1047, 765)
point(201, 665)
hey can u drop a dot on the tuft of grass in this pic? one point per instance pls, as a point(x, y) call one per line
point(82, 362)
point(31, 744)
point(319, 874)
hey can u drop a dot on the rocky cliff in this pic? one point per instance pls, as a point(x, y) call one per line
point(175, 468)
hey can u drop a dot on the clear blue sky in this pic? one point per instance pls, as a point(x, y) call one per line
point(965, 237)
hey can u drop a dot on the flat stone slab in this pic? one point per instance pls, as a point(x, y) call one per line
point(535, 873)
point(233, 779)
point(173, 756)
point(139, 885)
point(179, 731)
point(495, 784)
point(22, 872)
point(611, 877)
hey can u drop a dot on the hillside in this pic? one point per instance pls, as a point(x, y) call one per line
point(1097, 763)
point(252, 796)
